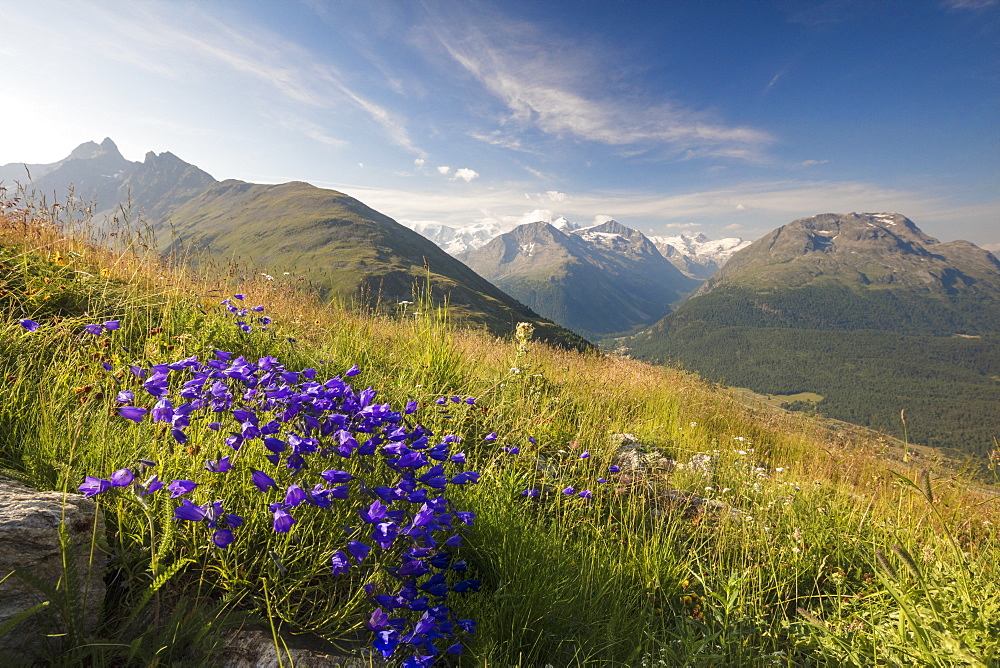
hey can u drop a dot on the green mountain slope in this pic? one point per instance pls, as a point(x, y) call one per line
point(864, 310)
point(345, 248)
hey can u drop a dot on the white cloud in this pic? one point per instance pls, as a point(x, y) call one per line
point(509, 222)
point(740, 207)
point(444, 170)
point(419, 162)
point(556, 196)
point(466, 174)
point(549, 86)
point(602, 218)
point(681, 226)
point(534, 172)
point(813, 163)
point(733, 227)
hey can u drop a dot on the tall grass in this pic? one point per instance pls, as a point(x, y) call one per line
point(802, 564)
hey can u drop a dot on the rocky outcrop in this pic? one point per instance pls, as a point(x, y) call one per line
point(645, 471)
point(29, 542)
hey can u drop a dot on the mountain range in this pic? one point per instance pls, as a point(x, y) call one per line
point(346, 249)
point(100, 177)
point(863, 311)
point(698, 256)
point(598, 280)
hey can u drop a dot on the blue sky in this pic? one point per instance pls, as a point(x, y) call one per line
point(728, 118)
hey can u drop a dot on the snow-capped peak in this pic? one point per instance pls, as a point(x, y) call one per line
point(561, 223)
point(698, 256)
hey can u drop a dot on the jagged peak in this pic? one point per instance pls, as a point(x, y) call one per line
point(90, 150)
point(166, 156)
point(612, 227)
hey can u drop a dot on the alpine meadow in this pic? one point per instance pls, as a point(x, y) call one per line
point(483, 334)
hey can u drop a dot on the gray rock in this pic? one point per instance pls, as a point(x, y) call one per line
point(29, 541)
point(634, 457)
point(693, 506)
point(704, 464)
point(254, 648)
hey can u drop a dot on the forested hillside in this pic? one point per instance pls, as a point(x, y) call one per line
point(864, 310)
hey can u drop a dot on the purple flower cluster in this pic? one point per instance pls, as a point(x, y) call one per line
point(308, 429)
point(240, 313)
point(95, 328)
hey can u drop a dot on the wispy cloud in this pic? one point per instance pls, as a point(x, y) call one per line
point(970, 4)
point(813, 163)
point(150, 35)
point(773, 81)
point(548, 87)
point(497, 138)
point(312, 130)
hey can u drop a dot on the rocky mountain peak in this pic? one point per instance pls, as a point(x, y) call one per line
point(84, 151)
point(533, 231)
point(109, 146)
point(91, 150)
point(882, 249)
point(611, 227)
point(880, 233)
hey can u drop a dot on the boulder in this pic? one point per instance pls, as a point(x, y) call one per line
point(29, 542)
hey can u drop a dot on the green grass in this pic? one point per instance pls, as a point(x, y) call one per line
point(343, 248)
point(627, 578)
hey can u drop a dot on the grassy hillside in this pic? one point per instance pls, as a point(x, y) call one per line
point(345, 249)
point(819, 551)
